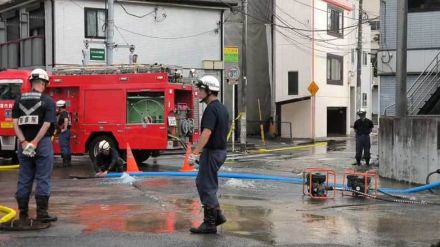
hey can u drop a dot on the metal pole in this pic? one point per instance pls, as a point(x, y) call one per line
point(313, 99)
point(401, 56)
point(359, 59)
point(244, 74)
point(233, 118)
point(110, 31)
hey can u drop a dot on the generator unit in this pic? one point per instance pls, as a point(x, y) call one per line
point(317, 183)
point(360, 183)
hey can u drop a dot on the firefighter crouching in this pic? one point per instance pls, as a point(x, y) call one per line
point(34, 121)
point(63, 123)
point(107, 160)
point(212, 145)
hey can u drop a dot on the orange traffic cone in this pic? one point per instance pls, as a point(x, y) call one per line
point(186, 167)
point(131, 162)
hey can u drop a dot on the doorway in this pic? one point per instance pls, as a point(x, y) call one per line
point(336, 121)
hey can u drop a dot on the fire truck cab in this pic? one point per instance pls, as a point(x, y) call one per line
point(148, 107)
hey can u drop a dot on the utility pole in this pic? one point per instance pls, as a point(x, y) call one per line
point(401, 59)
point(359, 59)
point(244, 74)
point(110, 44)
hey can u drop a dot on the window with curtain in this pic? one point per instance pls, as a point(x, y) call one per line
point(335, 69)
point(95, 20)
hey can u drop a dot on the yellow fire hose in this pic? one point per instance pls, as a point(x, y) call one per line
point(9, 167)
point(10, 214)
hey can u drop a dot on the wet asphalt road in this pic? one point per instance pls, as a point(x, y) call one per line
point(159, 211)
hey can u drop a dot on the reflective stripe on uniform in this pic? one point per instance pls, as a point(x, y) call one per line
point(32, 109)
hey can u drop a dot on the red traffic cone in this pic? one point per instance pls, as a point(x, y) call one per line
point(131, 162)
point(186, 166)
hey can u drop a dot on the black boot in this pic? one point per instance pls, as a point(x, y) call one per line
point(221, 219)
point(367, 162)
point(358, 162)
point(42, 207)
point(23, 206)
point(63, 158)
point(208, 226)
point(68, 161)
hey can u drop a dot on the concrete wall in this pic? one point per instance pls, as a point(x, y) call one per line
point(408, 150)
point(154, 41)
point(299, 115)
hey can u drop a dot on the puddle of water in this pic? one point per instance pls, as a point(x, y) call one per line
point(239, 183)
point(249, 221)
point(333, 146)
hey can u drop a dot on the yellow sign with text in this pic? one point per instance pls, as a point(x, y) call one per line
point(6, 125)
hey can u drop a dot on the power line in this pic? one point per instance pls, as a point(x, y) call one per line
point(137, 16)
point(286, 27)
point(168, 38)
point(335, 46)
point(323, 10)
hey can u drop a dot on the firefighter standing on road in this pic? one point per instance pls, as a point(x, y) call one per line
point(363, 127)
point(34, 121)
point(64, 130)
point(107, 160)
point(212, 145)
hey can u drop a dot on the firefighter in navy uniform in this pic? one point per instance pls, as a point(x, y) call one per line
point(34, 121)
point(63, 123)
point(107, 160)
point(363, 127)
point(212, 145)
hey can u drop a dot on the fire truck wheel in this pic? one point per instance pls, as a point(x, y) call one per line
point(93, 145)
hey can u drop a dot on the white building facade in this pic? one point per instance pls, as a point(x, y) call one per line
point(64, 32)
point(316, 40)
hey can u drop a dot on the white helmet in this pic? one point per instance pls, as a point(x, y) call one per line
point(104, 146)
point(361, 111)
point(61, 103)
point(40, 74)
point(209, 82)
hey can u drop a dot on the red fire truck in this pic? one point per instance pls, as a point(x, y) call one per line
point(149, 107)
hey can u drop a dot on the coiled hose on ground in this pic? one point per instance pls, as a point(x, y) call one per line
point(428, 178)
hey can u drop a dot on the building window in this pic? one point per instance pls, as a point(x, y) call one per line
point(423, 5)
point(365, 58)
point(364, 100)
point(374, 64)
point(375, 25)
point(335, 69)
point(293, 83)
point(335, 22)
point(95, 20)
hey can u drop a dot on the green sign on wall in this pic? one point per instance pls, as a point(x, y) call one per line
point(97, 54)
point(231, 54)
